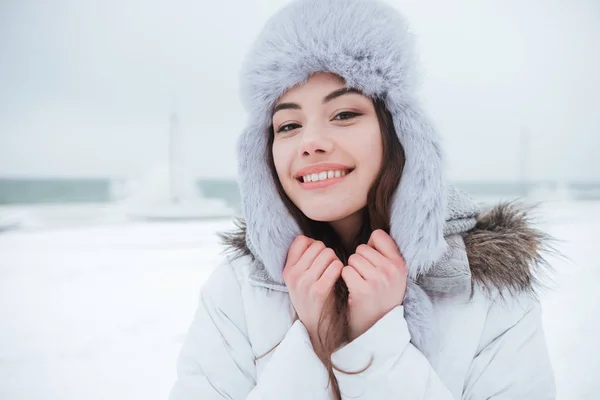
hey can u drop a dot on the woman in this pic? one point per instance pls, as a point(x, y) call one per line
point(358, 273)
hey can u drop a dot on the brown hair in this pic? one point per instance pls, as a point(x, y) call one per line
point(376, 216)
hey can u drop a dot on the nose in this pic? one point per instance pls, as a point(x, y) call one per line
point(315, 141)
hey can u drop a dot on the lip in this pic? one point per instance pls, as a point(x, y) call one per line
point(316, 168)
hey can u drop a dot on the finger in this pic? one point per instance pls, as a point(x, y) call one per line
point(323, 260)
point(330, 275)
point(383, 243)
point(352, 278)
point(309, 256)
point(370, 242)
point(375, 258)
point(297, 248)
point(366, 270)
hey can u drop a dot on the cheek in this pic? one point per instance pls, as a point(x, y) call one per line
point(369, 151)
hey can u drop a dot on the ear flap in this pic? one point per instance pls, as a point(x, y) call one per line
point(270, 227)
point(419, 205)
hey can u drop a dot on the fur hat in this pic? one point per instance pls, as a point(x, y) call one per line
point(369, 45)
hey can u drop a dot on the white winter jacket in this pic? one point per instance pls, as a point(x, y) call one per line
point(488, 346)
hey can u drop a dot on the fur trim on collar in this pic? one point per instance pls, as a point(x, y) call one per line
point(505, 252)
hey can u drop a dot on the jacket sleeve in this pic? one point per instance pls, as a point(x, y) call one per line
point(511, 362)
point(217, 360)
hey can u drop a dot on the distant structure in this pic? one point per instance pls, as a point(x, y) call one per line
point(170, 191)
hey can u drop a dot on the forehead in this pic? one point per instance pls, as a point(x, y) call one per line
point(319, 84)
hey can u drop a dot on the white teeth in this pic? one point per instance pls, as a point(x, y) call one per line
point(321, 176)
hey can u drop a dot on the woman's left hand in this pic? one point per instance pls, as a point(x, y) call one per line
point(376, 280)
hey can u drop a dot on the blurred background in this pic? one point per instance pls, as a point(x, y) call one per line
point(118, 124)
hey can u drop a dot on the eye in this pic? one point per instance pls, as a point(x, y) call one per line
point(288, 128)
point(346, 115)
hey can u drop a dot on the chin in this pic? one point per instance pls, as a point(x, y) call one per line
point(323, 213)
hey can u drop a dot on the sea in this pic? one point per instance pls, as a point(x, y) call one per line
point(105, 190)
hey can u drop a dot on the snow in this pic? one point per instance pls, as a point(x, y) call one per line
point(100, 312)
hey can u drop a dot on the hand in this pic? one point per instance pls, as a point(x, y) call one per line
point(310, 273)
point(376, 279)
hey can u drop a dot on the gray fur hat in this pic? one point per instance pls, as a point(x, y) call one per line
point(369, 45)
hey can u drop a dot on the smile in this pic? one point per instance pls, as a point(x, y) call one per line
point(323, 175)
point(323, 179)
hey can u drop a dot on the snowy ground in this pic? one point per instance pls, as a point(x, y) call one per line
point(100, 312)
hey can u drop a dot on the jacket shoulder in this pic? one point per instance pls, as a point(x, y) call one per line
point(230, 275)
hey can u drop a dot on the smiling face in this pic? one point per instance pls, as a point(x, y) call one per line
point(327, 149)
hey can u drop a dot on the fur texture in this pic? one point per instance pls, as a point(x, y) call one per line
point(369, 45)
point(507, 253)
point(418, 313)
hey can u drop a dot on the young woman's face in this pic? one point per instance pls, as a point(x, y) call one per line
point(327, 147)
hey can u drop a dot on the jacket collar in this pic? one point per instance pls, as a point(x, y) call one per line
point(461, 216)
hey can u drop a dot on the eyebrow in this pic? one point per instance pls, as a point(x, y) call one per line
point(333, 95)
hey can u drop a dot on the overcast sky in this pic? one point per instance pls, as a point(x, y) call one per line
point(86, 86)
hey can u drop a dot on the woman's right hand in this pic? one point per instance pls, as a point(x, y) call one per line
point(310, 271)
